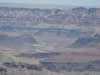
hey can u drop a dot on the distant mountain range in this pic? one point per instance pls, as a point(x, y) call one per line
point(36, 16)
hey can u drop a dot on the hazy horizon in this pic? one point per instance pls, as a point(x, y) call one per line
point(84, 3)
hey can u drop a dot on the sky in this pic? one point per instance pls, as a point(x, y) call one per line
point(92, 3)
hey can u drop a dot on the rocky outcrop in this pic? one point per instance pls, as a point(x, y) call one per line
point(39, 55)
point(3, 69)
point(22, 65)
point(69, 66)
point(92, 41)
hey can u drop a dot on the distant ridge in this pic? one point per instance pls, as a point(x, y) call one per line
point(70, 16)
